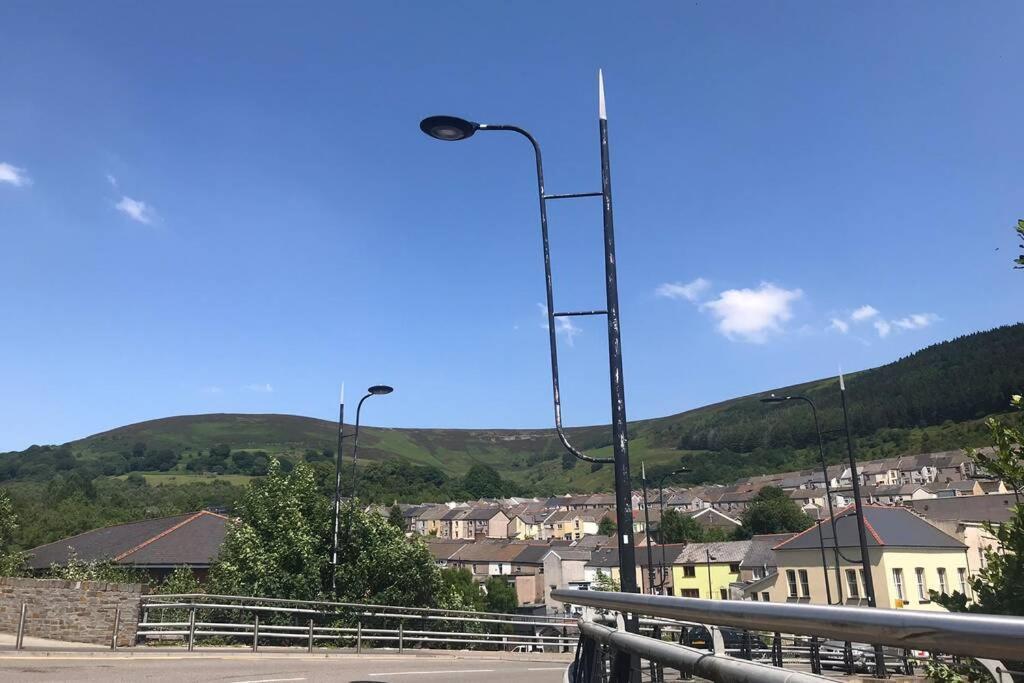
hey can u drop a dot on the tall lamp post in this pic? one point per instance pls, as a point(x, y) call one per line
point(375, 390)
point(828, 496)
point(865, 561)
point(661, 527)
point(450, 128)
point(647, 528)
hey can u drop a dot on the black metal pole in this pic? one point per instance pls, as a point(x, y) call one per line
point(707, 552)
point(865, 561)
point(647, 529)
point(337, 495)
point(661, 530)
point(824, 564)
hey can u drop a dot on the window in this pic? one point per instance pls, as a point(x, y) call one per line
point(759, 572)
point(724, 593)
point(897, 579)
point(851, 583)
point(765, 597)
point(791, 580)
point(922, 585)
point(689, 571)
point(753, 596)
point(943, 586)
point(474, 569)
point(962, 575)
point(501, 568)
point(690, 593)
point(805, 586)
point(734, 568)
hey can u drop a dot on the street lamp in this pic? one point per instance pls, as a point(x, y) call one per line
point(449, 129)
point(375, 390)
point(661, 524)
point(828, 496)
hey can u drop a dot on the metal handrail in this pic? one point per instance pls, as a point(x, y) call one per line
point(174, 599)
point(699, 662)
point(972, 635)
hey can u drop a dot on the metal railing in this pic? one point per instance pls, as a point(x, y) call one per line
point(932, 634)
point(219, 619)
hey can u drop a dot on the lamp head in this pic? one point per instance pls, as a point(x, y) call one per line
point(774, 399)
point(448, 128)
point(380, 389)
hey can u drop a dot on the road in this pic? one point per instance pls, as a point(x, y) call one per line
point(269, 668)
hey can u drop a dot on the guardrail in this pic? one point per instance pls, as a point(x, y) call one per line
point(982, 637)
point(357, 625)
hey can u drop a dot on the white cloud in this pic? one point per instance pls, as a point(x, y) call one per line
point(259, 388)
point(751, 314)
point(14, 175)
point(136, 209)
point(865, 312)
point(841, 325)
point(691, 291)
point(883, 327)
point(916, 321)
point(564, 326)
point(112, 180)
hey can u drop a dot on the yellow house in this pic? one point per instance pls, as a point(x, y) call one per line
point(908, 558)
point(705, 570)
point(525, 526)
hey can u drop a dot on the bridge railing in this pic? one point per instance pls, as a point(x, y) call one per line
point(606, 652)
point(201, 618)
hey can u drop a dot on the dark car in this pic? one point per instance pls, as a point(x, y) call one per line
point(862, 655)
point(735, 640)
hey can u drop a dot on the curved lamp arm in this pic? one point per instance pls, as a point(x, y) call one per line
point(552, 340)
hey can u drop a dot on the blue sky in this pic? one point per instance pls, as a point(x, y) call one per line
point(228, 207)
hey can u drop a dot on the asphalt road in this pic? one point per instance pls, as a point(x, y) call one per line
point(267, 668)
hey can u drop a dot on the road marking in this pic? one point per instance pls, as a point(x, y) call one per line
point(423, 673)
point(272, 680)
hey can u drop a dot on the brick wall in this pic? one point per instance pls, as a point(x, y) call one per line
point(79, 611)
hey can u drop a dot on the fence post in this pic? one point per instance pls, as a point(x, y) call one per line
point(310, 635)
point(117, 627)
point(256, 632)
point(815, 656)
point(401, 637)
point(359, 637)
point(777, 650)
point(191, 629)
point(19, 639)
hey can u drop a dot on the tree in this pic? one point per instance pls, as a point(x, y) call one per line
point(606, 527)
point(396, 518)
point(12, 562)
point(462, 589)
point(677, 527)
point(500, 596)
point(773, 512)
point(604, 582)
point(996, 587)
point(1020, 233)
point(278, 545)
point(483, 481)
point(568, 461)
point(95, 570)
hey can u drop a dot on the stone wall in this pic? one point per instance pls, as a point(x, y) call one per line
point(78, 611)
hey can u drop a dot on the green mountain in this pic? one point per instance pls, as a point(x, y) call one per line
point(931, 400)
point(935, 399)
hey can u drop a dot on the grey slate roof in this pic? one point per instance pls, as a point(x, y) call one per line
point(886, 526)
point(721, 552)
point(192, 539)
point(991, 508)
point(760, 553)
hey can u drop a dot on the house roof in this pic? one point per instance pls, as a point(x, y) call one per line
point(886, 526)
point(482, 513)
point(192, 540)
point(760, 553)
point(722, 552)
point(711, 512)
point(531, 554)
point(984, 508)
point(444, 550)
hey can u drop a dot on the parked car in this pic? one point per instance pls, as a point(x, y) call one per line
point(831, 654)
point(733, 638)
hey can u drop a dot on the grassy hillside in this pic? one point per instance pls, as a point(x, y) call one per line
point(931, 400)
